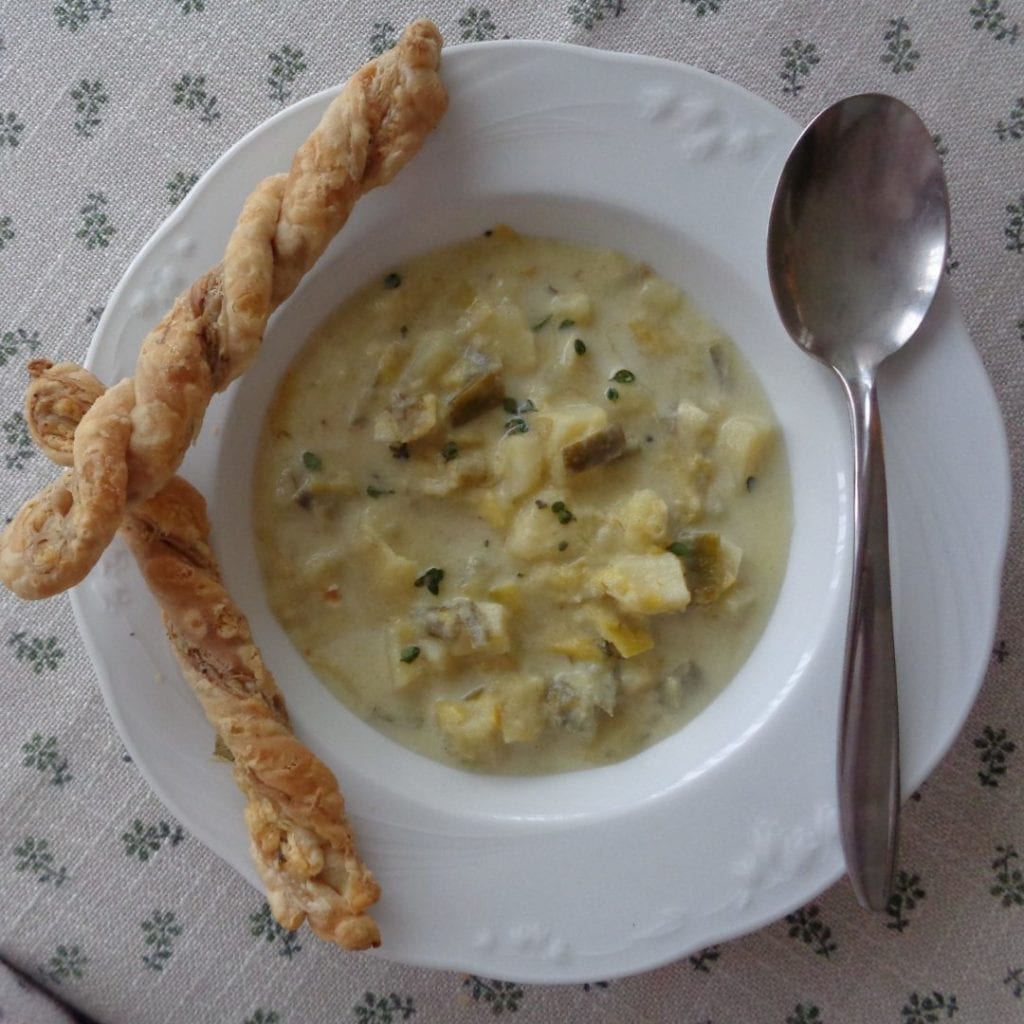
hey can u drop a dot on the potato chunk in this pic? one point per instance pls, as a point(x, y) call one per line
point(521, 708)
point(628, 638)
point(742, 442)
point(646, 584)
point(575, 306)
point(476, 728)
point(531, 533)
point(471, 728)
point(519, 464)
point(407, 418)
point(644, 520)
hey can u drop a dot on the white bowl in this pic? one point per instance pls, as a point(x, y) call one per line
point(729, 823)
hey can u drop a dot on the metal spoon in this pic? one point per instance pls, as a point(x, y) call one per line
point(856, 246)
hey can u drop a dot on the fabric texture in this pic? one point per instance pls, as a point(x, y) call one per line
point(109, 111)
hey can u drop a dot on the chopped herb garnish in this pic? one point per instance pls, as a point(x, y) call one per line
point(581, 347)
point(377, 492)
point(541, 323)
point(517, 425)
point(565, 324)
point(562, 545)
point(563, 512)
point(312, 461)
point(393, 280)
point(431, 579)
point(400, 451)
point(681, 548)
point(450, 451)
point(612, 394)
point(624, 376)
point(409, 654)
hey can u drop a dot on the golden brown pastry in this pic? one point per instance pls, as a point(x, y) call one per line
point(132, 440)
point(300, 838)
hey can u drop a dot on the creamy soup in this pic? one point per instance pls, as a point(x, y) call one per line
point(520, 506)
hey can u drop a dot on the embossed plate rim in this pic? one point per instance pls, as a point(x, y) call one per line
point(437, 866)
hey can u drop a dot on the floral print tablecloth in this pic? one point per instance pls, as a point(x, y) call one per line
point(109, 111)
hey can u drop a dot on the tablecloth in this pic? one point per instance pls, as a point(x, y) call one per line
point(109, 111)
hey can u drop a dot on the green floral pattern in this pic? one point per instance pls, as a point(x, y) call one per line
point(67, 963)
point(589, 13)
point(907, 893)
point(1013, 126)
point(75, 14)
point(180, 185)
point(16, 343)
point(263, 926)
point(42, 653)
point(799, 58)
point(11, 128)
point(19, 443)
point(158, 934)
point(190, 93)
point(95, 230)
point(805, 1014)
point(89, 98)
point(994, 750)
point(807, 926)
point(929, 1008)
point(263, 1017)
point(704, 960)
point(1014, 230)
point(44, 756)
point(286, 64)
point(384, 37)
point(1015, 980)
point(499, 996)
point(702, 7)
point(142, 841)
point(34, 856)
point(387, 1009)
point(477, 24)
point(899, 53)
point(989, 16)
point(1008, 887)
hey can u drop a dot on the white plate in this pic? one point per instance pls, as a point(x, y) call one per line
point(732, 822)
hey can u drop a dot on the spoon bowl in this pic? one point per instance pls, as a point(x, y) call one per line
point(857, 240)
point(858, 231)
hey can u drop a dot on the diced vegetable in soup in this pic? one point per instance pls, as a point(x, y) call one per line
point(521, 507)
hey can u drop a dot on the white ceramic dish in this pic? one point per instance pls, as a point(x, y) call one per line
point(728, 824)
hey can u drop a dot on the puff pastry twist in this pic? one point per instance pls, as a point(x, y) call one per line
point(300, 838)
point(132, 440)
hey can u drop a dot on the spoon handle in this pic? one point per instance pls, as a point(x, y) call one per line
point(869, 764)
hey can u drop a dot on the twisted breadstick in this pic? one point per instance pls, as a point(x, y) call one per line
point(300, 839)
point(132, 441)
